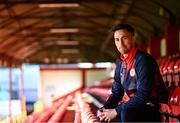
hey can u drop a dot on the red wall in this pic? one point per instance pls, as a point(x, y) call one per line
point(172, 38)
point(155, 46)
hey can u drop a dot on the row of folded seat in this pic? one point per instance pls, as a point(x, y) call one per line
point(170, 69)
point(82, 111)
point(50, 114)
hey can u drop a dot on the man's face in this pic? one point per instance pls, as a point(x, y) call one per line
point(124, 41)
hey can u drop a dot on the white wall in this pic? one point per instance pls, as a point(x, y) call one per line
point(59, 82)
point(94, 76)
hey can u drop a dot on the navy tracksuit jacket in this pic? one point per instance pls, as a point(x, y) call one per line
point(142, 83)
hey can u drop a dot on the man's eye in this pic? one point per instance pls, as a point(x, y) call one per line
point(125, 37)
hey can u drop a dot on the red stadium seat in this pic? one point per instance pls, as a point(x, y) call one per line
point(58, 114)
point(165, 72)
point(176, 75)
point(175, 97)
point(165, 110)
point(170, 72)
point(174, 104)
point(175, 114)
point(47, 113)
point(87, 116)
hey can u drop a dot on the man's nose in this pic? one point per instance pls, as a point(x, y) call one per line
point(121, 42)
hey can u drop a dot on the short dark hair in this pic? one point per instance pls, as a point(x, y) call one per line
point(125, 26)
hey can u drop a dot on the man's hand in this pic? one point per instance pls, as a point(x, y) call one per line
point(107, 114)
point(100, 114)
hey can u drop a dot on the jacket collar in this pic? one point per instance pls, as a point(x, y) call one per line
point(130, 58)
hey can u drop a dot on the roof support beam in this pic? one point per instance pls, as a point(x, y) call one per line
point(49, 1)
point(172, 17)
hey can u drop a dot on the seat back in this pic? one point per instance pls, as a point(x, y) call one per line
point(174, 104)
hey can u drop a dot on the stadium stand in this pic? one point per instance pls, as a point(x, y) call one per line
point(83, 110)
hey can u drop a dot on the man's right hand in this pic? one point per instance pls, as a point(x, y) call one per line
point(100, 114)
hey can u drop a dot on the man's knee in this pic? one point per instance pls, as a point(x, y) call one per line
point(140, 114)
point(128, 114)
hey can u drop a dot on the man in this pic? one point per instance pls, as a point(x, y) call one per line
point(137, 87)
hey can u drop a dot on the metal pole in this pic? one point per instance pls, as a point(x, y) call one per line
point(10, 89)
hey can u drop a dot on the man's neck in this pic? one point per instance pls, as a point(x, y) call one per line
point(125, 55)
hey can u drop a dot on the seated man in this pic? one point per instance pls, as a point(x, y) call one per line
point(137, 77)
